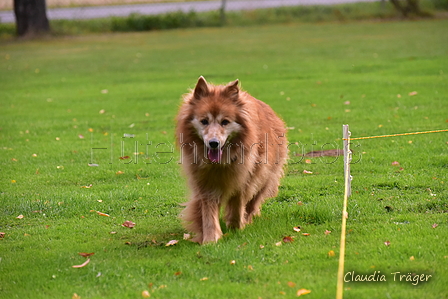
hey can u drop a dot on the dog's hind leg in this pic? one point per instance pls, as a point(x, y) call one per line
point(253, 206)
point(235, 212)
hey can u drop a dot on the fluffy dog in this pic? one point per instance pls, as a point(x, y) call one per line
point(233, 148)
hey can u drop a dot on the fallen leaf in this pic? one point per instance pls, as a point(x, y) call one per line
point(303, 292)
point(85, 254)
point(119, 172)
point(87, 187)
point(81, 136)
point(296, 228)
point(93, 165)
point(278, 243)
point(387, 243)
point(2, 235)
point(34, 155)
point(291, 284)
point(14, 160)
point(232, 262)
point(203, 278)
point(20, 217)
point(287, 239)
point(177, 273)
point(306, 234)
point(82, 265)
point(412, 258)
point(435, 225)
point(395, 163)
point(171, 243)
point(327, 232)
point(299, 203)
point(413, 93)
point(90, 130)
point(261, 246)
point(129, 224)
point(308, 161)
point(104, 91)
point(76, 296)
point(102, 214)
point(13, 181)
point(250, 267)
point(146, 294)
point(124, 158)
point(331, 253)
point(307, 172)
point(102, 111)
point(187, 236)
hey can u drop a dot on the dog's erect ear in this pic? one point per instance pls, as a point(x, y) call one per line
point(201, 89)
point(232, 90)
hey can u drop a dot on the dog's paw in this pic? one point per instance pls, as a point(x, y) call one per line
point(211, 238)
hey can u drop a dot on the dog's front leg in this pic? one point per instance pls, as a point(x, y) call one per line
point(211, 229)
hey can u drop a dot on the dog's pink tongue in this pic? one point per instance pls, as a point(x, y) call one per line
point(215, 155)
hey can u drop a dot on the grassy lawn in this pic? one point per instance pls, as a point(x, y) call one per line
point(66, 103)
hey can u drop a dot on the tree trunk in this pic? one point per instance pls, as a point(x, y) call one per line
point(409, 7)
point(31, 17)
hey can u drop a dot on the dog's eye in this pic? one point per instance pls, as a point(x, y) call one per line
point(225, 122)
point(204, 122)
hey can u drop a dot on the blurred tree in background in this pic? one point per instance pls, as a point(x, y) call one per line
point(408, 8)
point(31, 17)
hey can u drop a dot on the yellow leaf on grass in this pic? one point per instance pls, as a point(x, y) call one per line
point(331, 253)
point(102, 214)
point(172, 242)
point(146, 294)
point(303, 292)
point(76, 296)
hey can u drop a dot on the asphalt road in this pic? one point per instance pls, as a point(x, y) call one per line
point(92, 12)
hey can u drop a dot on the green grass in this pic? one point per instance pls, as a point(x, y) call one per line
point(53, 90)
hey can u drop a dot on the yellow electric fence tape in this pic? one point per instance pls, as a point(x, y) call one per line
point(347, 191)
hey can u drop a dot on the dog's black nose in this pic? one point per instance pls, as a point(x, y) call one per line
point(213, 143)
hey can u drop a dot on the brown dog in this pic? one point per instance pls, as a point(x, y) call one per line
point(233, 148)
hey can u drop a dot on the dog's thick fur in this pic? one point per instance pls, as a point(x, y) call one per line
point(233, 148)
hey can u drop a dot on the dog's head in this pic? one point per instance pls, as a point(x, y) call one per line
point(215, 115)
